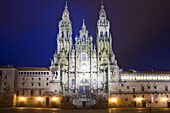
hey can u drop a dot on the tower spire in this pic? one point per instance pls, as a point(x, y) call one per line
point(101, 3)
point(102, 12)
point(83, 26)
point(65, 13)
point(66, 7)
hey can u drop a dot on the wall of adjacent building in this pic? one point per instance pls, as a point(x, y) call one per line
point(8, 85)
point(149, 88)
point(33, 83)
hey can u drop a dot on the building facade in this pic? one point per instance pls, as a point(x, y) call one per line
point(85, 67)
point(83, 75)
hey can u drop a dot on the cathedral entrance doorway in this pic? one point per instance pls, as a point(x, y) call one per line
point(84, 104)
point(84, 87)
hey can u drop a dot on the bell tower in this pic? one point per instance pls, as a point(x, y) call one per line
point(103, 31)
point(60, 64)
point(64, 38)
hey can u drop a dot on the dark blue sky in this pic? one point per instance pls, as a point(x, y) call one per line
point(140, 30)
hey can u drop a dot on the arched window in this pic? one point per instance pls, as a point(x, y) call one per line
point(95, 86)
point(101, 34)
point(83, 56)
point(105, 34)
point(73, 85)
point(94, 67)
point(95, 83)
point(72, 68)
point(62, 34)
point(73, 82)
point(86, 81)
point(84, 64)
point(81, 82)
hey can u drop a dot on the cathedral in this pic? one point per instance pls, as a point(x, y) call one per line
point(83, 67)
point(83, 75)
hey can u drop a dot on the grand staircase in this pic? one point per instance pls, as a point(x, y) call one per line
point(84, 102)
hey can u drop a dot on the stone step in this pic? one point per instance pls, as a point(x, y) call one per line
point(83, 102)
point(100, 105)
point(65, 105)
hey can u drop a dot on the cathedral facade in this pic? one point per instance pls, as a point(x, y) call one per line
point(85, 67)
point(83, 75)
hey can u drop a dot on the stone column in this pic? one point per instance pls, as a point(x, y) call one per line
point(98, 66)
point(104, 78)
point(76, 82)
point(69, 73)
point(91, 67)
point(63, 79)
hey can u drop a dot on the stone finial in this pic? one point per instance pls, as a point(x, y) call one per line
point(102, 3)
point(102, 12)
point(83, 26)
point(52, 63)
point(65, 13)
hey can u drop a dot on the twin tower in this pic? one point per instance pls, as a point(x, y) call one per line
point(83, 68)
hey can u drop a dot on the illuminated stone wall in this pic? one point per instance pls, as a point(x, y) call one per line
point(39, 101)
point(141, 100)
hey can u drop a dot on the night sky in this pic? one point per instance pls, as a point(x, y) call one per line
point(140, 30)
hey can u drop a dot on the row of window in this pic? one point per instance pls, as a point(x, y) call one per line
point(143, 88)
point(102, 34)
point(62, 34)
point(34, 78)
point(145, 77)
point(32, 84)
point(84, 81)
point(149, 101)
point(32, 93)
point(143, 96)
point(33, 73)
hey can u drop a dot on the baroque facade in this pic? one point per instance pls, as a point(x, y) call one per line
point(83, 75)
point(84, 67)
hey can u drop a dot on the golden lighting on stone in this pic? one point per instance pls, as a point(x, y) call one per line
point(163, 99)
point(39, 98)
point(22, 98)
point(138, 99)
point(54, 98)
point(113, 99)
